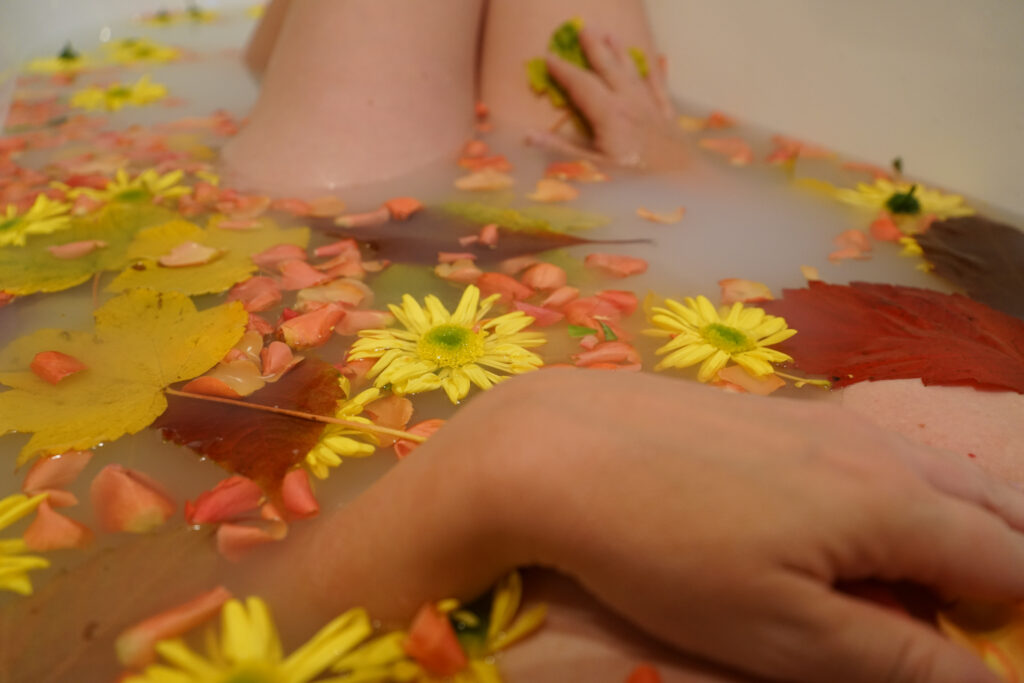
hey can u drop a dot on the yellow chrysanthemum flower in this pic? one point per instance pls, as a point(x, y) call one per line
point(116, 96)
point(141, 51)
point(438, 349)
point(14, 564)
point(904, 199)
point(43, 217)
point(384, 658)
point(338, 441)
point(68, 61)
point(148, 186)
point(193, 13)
point(698, 333)
point(250, 650)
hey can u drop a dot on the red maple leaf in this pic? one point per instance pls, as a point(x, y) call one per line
point(258, 445)
point(863, 331)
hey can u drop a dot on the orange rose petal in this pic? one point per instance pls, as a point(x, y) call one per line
point(189, 254)
point(356, 320)
point(475, 149)
point(297, 274)
point(616, 265)
point(258, 324)
point(508, 288)
point(401, 208)
point(644, 673)
point(297, 495)
point(884, 228)
point(54, 366)
point(230, 499)
point(311, 329)
point(127, 500)
point(608, 352)
point(489, 235)
point(51, 530)
point(404, 447)
point(136, 646)
point(810, 273)
point(259, 293)
point(514, 265)
point(276, 358)
point(552, 190)
point(55, 472)
point(366, 219)
point(234, 541)
point(624, 301)
point(355, 370)
point(762, 386)
point(269, 258)
point(544, 276)
point(347, 291)
point(462, 272)
point(485, 180)
point(496, 162)
point(391, 411)
point(669, 218)
point(542, 317)
point(210, 386)
point(345, 246)
point(6, 298)
point(736, 149)
point(744, 291)
point(296, 207)
point(452, 257)
point(73, 250)
point(582, 171)
point(433, 644)
point(560, 297)
point(326, 206)
point(243, 375)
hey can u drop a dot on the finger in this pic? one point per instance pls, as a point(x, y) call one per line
point(950, 545)
point(657, 81)
point(959, 477)
point(556, 143)
point(607, 61)
point(840, 638)
point(586, 89)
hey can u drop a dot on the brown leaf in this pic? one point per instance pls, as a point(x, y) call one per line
point(983, 257)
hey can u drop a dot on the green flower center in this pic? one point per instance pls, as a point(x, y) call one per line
point(68, 54)
point(726, 338)
point(904, 202)
point(135, 194)
point(450, 346)
point(251, 675)
point(119, 92)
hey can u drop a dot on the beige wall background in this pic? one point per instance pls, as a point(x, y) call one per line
point(937, 82)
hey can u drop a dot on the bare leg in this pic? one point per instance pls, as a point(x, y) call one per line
point(261, 44)
point(517, 30)
point(358, 91)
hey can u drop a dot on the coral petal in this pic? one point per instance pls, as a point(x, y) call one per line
point(127, 500)
point(189, 254)
point(499, 283)
point(235, 540)
point(53, 531)
point(608, 352)
point(364, 220)
point(616, 265)
point(404, 447)
point(452, 257)
point(401, 208)
point(582, 171)
point(311, 329)
point(257, 294)
point(553, 190)
point(489, 235)
point(230, 499)
point(542, 317)
point(276, 358)
point(297, 495)
point(884, 228)
point(736, 149)
point(258, 324)
point(644, 673)
point(345, 246)
point(54, 366)
point(326, 206)
point(745, 291)
point(55, 472)
point(297, 274)
point(462, 271)
point(136, 646)
point(484, 180)
point(432, 643)
point(391, 411)
point(666, 218)
point(624, 301)
point(354, 321)
point(544, 276)
point(271, 256)
point(511, 266)
point(761, 386)
point(560, 297)
point(73, 250)
point(345, 291)
point(210, 386)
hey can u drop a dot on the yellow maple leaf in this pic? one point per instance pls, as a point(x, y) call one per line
point(33, 268)
point(232, 266)
point(142, 341)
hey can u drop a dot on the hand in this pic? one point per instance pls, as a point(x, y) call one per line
point(720, 524)
point(632, 118)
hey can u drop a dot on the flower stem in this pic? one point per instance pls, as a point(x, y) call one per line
point(372, 428)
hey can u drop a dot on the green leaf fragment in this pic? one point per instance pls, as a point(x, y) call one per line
point(581, 330)
point(608, 334)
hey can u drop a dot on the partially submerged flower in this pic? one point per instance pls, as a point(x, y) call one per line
point(249, 649)
point(68, 62)
point(14, 564)
point(698, 333)
point(338, 441)
point(42, 218)
point(150, 186)
point(141, 51)
point(450, 351)
point(117, 95)
point(904, 199)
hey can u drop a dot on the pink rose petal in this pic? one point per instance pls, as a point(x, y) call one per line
point(356, 320)
point(744, 291)
point(616, 265)
point(297, 495)
point(128, 500)
point(608, 352)
point(210, 386)
point(231, 499)
point(391, 411)
point(189, 254)
point(508, 288)
point(258, 293)
point(73, 250)
point(544, 276)
point(51, 530)
point(542, 317)
point(234, 541)
point(347, 291)
point(489, 235)
point(560, 297)
point(55, 472)
point(297, 274)
point(271, 256)
point(404, 447)
point(462, 272)
point(762, 386)
point(311, 329)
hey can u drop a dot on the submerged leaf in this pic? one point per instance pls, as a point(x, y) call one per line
point(218, 275)
point(557, 219)
point(258, 445)
point(34, 268)
point(142, 341)
point(984, 257)
point(862, 331)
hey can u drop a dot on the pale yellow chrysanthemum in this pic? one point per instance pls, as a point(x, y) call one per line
point(338, 441)
point(698, 333)
point(451, 351)
point(904, 199)
point(384, 658)
point(249, 650)
point(43, 217)
point(148, 186)
point(67, 62)
point(116, 96)
point(14, 564)
point(141, 51)
point(192, 13)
